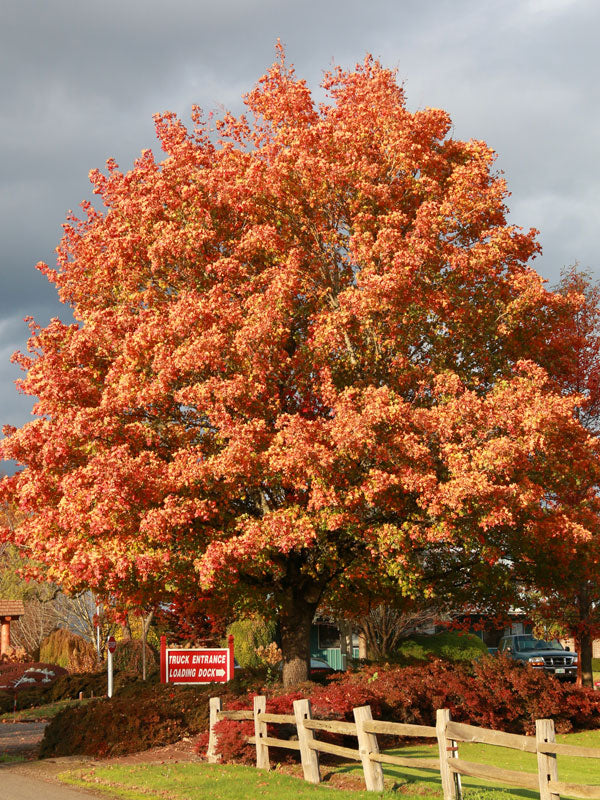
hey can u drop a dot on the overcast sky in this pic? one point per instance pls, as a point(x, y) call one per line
point(80, 81)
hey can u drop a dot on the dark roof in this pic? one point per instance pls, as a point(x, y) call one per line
point(11, 608)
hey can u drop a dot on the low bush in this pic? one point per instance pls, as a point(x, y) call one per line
point(7, 702)
point(492, 693)
point(92, 684)
point(158, 715)
point(449, 645)
point(140, 715)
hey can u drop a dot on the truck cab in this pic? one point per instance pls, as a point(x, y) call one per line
point(550, 656)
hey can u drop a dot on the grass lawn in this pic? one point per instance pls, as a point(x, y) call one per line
point(199, 781)
point(9, 758)
point(38, 713)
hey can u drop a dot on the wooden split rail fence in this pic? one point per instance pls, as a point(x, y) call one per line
point(448, 735)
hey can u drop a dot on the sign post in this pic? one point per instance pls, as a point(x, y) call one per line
point(111, 646)
point(196, 666)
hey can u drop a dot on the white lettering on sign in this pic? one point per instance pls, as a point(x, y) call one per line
point(178, 658)
point(194, 672)
point(197, 666)
point(215, 658)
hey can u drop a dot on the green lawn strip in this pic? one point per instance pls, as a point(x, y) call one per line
point(226, 782)
point(39, 712)
point(214, 781)
point(73, 779)
point(9, 758)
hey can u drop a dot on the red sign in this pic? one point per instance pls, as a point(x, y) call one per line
point(206, 665)
point(111, 643)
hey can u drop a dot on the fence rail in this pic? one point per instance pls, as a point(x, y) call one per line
point(448, 735)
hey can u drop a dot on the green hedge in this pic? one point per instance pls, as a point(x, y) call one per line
point(248, 635)
point(448, 645)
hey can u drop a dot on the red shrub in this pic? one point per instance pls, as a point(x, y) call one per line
point(492, 693)
point(231, 741)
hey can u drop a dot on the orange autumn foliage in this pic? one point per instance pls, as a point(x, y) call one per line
point(308, 346)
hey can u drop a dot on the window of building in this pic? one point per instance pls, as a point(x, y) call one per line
point(329, 636)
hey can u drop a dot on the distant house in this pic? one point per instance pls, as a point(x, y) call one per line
point(10, 610)
point(326, 640)
point(326, 643)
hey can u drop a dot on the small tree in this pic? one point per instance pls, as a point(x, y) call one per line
point(384, 627)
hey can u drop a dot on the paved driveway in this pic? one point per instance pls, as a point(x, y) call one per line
point(33, 780)
point(15, 786)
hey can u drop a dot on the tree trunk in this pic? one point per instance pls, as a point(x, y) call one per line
point(345, 641)
point(585, 676)
point(296, 618)
point(126, 630)
point(146, 622)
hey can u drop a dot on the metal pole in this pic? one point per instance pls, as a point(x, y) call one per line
point(98, 630)
point(110, 674)
point(163, 659)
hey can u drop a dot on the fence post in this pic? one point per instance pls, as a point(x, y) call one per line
point(547, 766)
point(260, 732)
point(446, 747)
point(367, 744)
point(310, 757)
point(214, 705)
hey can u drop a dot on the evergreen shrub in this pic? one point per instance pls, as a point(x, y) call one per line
point(128, 657)
point(448, 645)
point(68, 650)
point(249, 634)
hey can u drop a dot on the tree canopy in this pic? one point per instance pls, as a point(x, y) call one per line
point(309, 352)
point(562, 579)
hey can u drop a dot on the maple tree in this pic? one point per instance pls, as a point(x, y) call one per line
point(309, 352)
point(564, 587)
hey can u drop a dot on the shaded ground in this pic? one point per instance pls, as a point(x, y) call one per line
point(21, 738)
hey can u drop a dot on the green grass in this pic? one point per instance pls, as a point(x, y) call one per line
point(226, 782)
point(38, 713)
point(214, 781)
point(9, 758)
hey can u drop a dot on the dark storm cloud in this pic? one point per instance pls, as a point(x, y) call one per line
point(79, 82)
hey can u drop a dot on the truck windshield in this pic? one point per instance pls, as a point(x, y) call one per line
point(529, 643)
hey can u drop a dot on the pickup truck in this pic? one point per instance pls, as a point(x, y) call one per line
point(552, 657)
